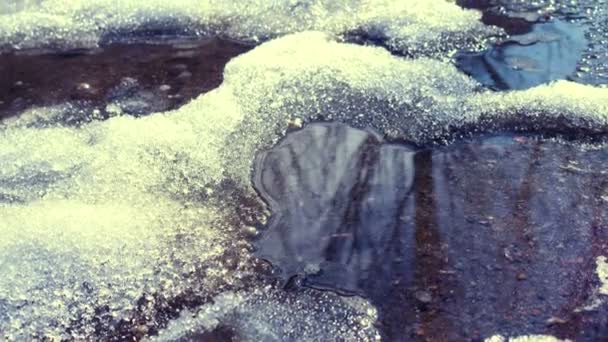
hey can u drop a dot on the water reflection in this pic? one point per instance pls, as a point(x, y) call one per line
point(520, 219)
point(346, 193)
point(549, 52)
point(494, 235)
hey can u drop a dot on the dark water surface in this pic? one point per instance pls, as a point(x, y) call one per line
point(137, 78)
point(497, 234)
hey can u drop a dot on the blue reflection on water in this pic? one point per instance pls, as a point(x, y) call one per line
point(549, 52)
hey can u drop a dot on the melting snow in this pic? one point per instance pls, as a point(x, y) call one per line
point(412, 26)
point(96, 218)
point(602, 273)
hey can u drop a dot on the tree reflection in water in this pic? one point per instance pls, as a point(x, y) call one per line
point(481, 237)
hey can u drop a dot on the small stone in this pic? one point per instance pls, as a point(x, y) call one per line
point(164, 87)
point(312, 269)
point(295, 123)
point(264, 218)
point(584, 69)
point(249, 230)
point(522, 276)
point(84, 86)
point(128, 81)
point(184, 75)
point(507, 254)
point(556, 320)
point(423, 297)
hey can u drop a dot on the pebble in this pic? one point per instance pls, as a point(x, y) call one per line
point(423, 297)
point(295, 123)
point(84, 86)
point(184, 75)
point(178, 67)
point(249, 230)
point(556, 320)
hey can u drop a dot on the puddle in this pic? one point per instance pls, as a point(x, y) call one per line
point(520, 17)
point(120, 78)
point(493, 235)
point(549, 52)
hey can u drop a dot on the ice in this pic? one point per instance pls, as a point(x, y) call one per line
point(409, 27)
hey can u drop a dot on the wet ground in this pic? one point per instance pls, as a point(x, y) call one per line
point(497, 234)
